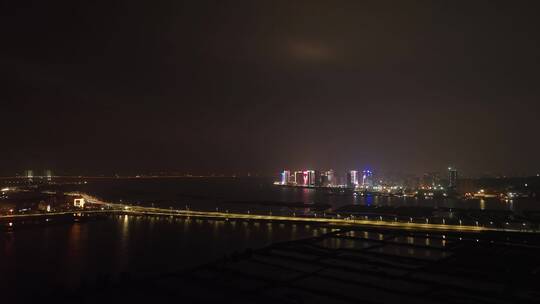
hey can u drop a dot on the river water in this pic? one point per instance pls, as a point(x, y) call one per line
point(55, 257)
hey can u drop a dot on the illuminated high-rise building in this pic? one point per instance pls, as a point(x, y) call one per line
point(352, 178)
point(367, 178)
point(305, 178)
point(292, 179)
point(285, 177)
point(330, 177)
point(452, 178)
point(299, 177)
point(324, 180)
point(309, 178)
point(317, 180)
point(349, 180)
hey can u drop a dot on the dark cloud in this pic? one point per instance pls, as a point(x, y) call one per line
point(261, 85)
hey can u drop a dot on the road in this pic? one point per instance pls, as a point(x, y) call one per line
point(322, 220)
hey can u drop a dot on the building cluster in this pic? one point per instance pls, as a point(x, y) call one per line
point(14, 200)
point(365, 180)
point(47, 175)
point(316, 178)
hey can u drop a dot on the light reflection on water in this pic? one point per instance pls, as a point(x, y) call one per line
point(63, 254)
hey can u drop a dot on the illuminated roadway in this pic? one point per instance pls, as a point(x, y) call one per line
point(129, 209)
point(323, 220)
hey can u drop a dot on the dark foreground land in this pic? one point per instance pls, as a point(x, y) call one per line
point(347, 266)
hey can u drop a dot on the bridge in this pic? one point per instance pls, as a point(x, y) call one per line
point(115, 208)
point(347, 221)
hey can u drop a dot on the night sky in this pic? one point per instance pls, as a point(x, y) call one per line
point(236, 86)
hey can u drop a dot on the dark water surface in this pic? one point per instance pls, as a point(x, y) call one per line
point(49, 257)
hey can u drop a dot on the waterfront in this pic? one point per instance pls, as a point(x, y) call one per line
point(237, 194)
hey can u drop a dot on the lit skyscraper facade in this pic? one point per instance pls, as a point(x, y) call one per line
point(367, 178)
point(285, 177)
point(352, 178)
point(330, 178)
point(452, 178)
point(299, 178)
point(326, 178)
point(310, 181)
point(318, 178)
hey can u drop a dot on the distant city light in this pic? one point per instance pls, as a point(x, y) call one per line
point(79, 202)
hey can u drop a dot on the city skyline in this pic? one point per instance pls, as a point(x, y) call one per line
point(47, 172)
